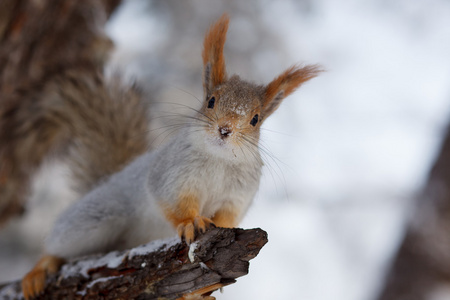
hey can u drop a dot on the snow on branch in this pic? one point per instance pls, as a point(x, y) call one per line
point(165, 269)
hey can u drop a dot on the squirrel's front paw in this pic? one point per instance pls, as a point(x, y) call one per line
point(33, 283)
point(187, 229)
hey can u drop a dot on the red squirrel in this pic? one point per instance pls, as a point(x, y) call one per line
point(207, 174)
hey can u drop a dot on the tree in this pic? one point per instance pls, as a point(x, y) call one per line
point(421, 268)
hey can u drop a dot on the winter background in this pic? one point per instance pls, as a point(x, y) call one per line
point(349, 151)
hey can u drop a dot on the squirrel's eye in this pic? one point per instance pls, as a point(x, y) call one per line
point(254, 120)
point(211, 102)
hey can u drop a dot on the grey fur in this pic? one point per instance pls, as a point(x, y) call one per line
point(124, 212)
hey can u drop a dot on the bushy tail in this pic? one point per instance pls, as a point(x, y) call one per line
point(98, 126)
point(109, 124)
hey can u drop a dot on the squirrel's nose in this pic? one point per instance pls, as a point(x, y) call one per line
point(225, 131)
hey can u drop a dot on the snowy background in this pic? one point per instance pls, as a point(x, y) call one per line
point(348, 152)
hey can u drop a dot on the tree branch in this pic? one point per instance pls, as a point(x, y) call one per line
point(165, 269)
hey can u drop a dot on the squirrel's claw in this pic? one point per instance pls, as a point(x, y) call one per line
point(187, 230)
point(33, 283)
point(202, 223)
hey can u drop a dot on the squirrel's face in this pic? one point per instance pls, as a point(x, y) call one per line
point(233, 114)
point(234, 109)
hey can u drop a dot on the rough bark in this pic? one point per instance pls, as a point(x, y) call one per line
point(159, 270)
point(421, 268)
point(40, 40)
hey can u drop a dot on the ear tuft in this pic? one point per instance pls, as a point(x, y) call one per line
point(285, 84)
point(213, 58)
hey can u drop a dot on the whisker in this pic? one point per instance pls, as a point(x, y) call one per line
point(172, 130)
point(176, 117)
point(174, 122)
point(185, 91)
point(252, 151)
point(264, 148)
point(191, 108)
point(266, 155)
point(278, 132)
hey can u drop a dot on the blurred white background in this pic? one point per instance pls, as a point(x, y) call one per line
point(349, 151)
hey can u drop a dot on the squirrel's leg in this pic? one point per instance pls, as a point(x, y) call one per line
point(34, 282)
point(185, 216)
point(226, 217)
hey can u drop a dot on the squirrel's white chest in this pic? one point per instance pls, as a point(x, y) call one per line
point(183, 169)
point(218, 183)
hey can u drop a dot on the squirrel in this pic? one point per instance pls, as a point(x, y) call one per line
point(206, 175)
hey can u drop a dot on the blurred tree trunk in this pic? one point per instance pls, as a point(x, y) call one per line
point(39, 40)
point(421, 269)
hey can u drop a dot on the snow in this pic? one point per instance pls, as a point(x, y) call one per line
point(241, 110)
point(191, 253)
point(110, 260)
point(8, 292)
point(203, 266)
point(114, 259)
point(153, 246)
point(102, 279)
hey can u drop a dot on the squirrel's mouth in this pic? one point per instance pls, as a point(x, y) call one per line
point(220, 137)
point(221, 140)
point(218, 140)
point(223, 143)
point(220, 134)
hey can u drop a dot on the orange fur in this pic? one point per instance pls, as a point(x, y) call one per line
point(34, 282)
point(203, 293)
point(226, 217)
point(184, 216)
point(286, 83)
point(187, 207)
point(213, 50)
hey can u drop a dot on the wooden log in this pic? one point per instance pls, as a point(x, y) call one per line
point(167, 269)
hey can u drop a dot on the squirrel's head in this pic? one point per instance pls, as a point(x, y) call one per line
point(233, 108)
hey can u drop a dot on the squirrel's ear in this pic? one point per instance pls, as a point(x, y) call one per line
point(214, 72)
point(284, 85)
